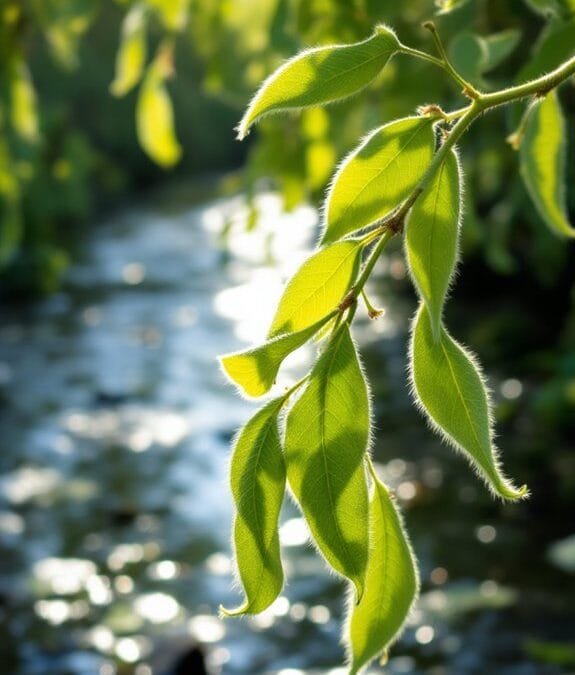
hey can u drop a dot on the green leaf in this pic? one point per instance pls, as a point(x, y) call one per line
point(446, 6)
point(327, 432)
point(132, 52)
point(555, 45)
point(258, 479)
point(378, 175)
point(322, 75)
point(500, 46)
point(173, 13)
point(155, 116)
point(255, 370)
point(23, 108)
point(317, 287)
point(391, 584)
point(468, 53)
point(431, 238)
point(449, 388)
point(542, 162)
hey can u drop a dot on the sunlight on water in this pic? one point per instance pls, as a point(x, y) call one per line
point(206, 628)
point(64, 576)
point(157, 607)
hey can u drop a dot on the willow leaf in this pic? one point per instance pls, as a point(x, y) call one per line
point(255, 370)
point(258, 484)
point(132, 51)
point(326, 438)
point(450, 389)
point(378, 175)
point(317, 287)
point(542, 160)
point(322, 75)
point(391, 584)
point(431, 238)
point(155, 115)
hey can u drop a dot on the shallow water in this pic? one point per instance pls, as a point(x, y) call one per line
point(115, 512)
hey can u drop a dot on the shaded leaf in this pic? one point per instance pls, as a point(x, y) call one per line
point(322, 75)
point(391, 584)
point(449, 388)
point(155, 115)
point(542, 163)
point(317, 287)
point(132, 52)
point(255, 370)
point(327, 433)
point(431, 238)
point(258, 484)
point(377, 176)
point(500, 46)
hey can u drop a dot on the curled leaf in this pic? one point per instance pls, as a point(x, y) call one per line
point(155, 115)
point(326, 438)
point(132, 51)
point(431, 238)
point(317, 287)
point(449, 387)
point(258, 484)
point(322, 75)
point(391, 585)
point(255, 370)
point(542, 162)
point(378, 176)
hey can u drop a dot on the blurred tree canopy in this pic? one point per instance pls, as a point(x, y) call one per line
point(98, 98)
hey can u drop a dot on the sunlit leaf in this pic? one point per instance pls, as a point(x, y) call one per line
point(132, 52)
point(542, 160)
point(322, 75)
point(449, 388)
point(155, 115)
point(378, 175)
point(391, 585)
point(255, 370)
point(327, 433)
point(446, 6)
point(431, 237)
point(23, 105)
point(258, 483)
point(317, 287)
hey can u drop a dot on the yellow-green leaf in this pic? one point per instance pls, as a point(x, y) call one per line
point(132, 52)
point(258, 479)
point(23, 106)
point(317, 287)
point(322, 75)
point(431, 237)
point(449, 388)
point(255, 370)
point(155, 117)
point(542, 160)
point(327, 432)
point(174, 13)
point(391, 585)
point(378, 175)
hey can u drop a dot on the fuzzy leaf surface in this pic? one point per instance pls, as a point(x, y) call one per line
point(255, 370)
point(327, 433)
point(431, 238)
point(391, 584)
point(322, 75)
point(317, 287)
point(258, 479)
point(450, 389)
point(378, 176)
point(542, 160)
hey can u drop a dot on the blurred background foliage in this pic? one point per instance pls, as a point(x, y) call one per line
point(102, 101)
